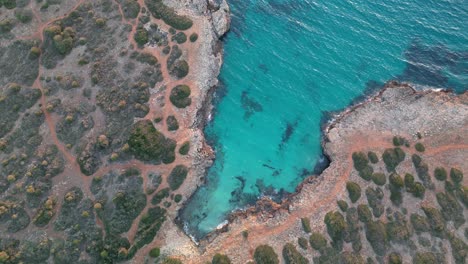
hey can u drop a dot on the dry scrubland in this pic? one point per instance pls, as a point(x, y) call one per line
point(102, 105)
point(99, 137)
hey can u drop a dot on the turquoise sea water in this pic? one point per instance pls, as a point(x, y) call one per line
point(290, 62)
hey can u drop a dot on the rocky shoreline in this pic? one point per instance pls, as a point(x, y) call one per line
point(268, 214)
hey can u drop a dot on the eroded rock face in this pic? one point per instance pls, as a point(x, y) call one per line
point(435, 119)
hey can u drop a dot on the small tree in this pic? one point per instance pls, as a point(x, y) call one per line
point(265, 254)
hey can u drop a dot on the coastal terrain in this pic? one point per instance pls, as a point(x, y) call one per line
point(103, 108)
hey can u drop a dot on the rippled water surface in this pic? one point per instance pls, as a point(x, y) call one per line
point(288, 63)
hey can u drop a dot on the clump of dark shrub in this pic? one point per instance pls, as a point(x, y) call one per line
point(456, 175)
point(193, 37)
point(366, 173)
point(177, 177)
point(435, 219)
point(8, 4)
point(220, 259)
point(394, 258)
point(154, 252)
point(419, 147)
point(399, 141)
point(351, 258)
point(364, 213)
point(374, 199)
point(440, 173)
point(177, 198)
point(265, 254)
point(342, 205)
point(452, 210)
point(172, 123)
point(306, 224)
point(130, 8)
point(459, 249)
point(353, 228)
point(360, 160)
point(184, 149)
point(393, 157)
point(420, 223)
point(147, 144)
point(180, 96)
point(141, 36)
point(302, 242)
point(422, 169)
point(160, 195)
point(292, 256)
point(373, 157)
point(336, 227)
point(397, 229)
point(160, 11)
point(377, 236)
point(354, 191)
point(379, 178)
point(317, 241)
point(425, 258)
point(149, 225)
point(179, 38)
point(23, 15)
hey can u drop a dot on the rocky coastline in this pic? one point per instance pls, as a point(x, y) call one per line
point(285, 216)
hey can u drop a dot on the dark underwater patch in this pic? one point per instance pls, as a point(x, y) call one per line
point(249, 105)
point(427, 65)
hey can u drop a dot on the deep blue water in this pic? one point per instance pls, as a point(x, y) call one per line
point(288, 63)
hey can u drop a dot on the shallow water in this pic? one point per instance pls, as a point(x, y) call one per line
point(288, 63)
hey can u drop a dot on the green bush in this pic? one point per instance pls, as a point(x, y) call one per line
point(418, 190)
point(354, 191)
point(265, 254)
point(366, 173)
point(364, 213)
point(394, 258)
point(409, 182)
point(171, 261)
point(419, 223)
point(351, 258)
point(160, 11)
point(179, 38)
point(177, 198)
point(130, 8)
point(360, 160)
point(177, 177)
point(6, 25)
point(147, 144)
point(342, 205)
point(141, 36)
point(435, 219)
point(180, 96)
point(302, 242)
point(379, 178)
point(160, 195)
point(373, 157)
point(185, 148)
point(451, 209)
point(172, 123)
point(396, 181)
point(154, 252)
point(398, 141)
point(9, 4)
point(425, 258)
point(306, 224)
point(23, 15)
point(336, 225)
point(193, 37)
point(377, 236)
point(317, 241)
point(292, 256)
point(374, 199)
point(456, 175)
point(179, 69)
point(419, 147)
point(459, 249)
point(393, 157)
point(220, 259)
point(440, 173)
point(397, 229)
